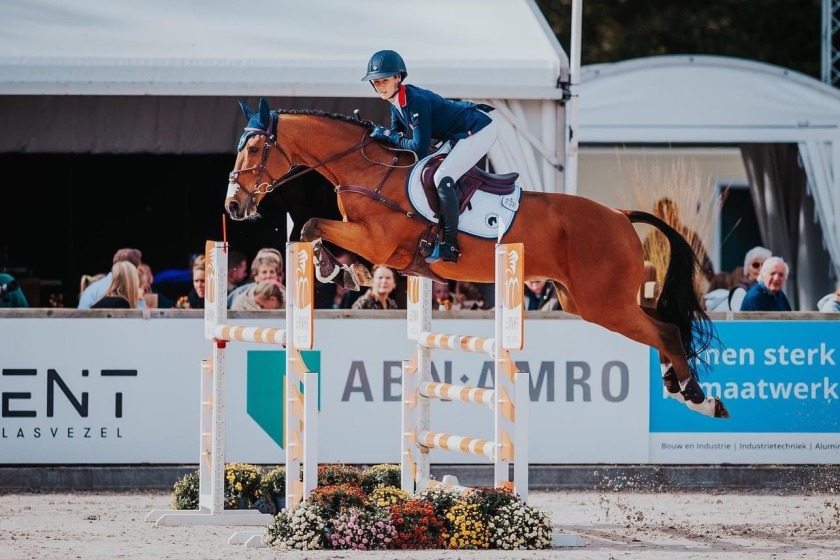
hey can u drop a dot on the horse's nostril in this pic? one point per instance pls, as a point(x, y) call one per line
point(233, 208)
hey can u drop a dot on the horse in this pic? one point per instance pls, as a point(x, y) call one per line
point(591, 252)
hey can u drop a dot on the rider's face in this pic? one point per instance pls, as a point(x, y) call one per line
point(387, 87)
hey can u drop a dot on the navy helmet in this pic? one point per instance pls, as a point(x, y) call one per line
point(384, 64)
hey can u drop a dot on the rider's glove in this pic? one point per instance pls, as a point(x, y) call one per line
point(382, 133)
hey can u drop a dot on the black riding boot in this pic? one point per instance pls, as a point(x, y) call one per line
point(449, 213)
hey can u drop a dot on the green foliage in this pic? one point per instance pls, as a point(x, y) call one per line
point(273, 484)
point(783, 32)
point(378, 476)
point(490, 500)
point(185, 495)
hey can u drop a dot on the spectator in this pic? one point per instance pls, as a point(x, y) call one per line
point(149, 294)
point(443, 298)
point(766, 294)
point(96, 290)
point(717, 296)
point(267, 265)
point(540, 295)
point(378, 295)
point(237, 269)
point(267, 294)
point(831, 302)
point(11, 294)
point(656, 245)
point(195, 298)
point(753, 260)
point(469, 296)
point(123, 290)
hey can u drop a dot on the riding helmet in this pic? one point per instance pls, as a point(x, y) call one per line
point(384, 64)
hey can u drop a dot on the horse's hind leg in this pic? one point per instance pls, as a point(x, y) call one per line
point(637, 324)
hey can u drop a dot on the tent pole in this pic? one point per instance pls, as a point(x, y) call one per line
point(571, 164)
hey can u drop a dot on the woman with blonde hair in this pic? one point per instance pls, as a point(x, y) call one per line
point(266, 266)
point(124, 290)
point(378, 295)
point(260, 295)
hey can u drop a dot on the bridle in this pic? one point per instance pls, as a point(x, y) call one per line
point(265, 187)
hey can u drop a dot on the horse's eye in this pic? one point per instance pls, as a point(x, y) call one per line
point(253, 150)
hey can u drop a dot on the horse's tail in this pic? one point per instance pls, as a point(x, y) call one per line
point(678, 302)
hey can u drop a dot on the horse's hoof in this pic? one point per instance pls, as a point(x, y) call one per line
point(720, 409)
point(349, 281)
point(712, 407)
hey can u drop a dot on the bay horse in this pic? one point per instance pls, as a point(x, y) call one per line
point(590, 251)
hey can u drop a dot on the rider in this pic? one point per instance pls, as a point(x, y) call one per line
point(417, 116)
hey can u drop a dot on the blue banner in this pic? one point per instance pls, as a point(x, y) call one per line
point(773, 377)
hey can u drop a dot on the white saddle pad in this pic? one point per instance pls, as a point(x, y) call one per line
point(483, 217)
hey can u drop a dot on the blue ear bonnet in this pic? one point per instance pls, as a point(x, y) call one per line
point(257, 126)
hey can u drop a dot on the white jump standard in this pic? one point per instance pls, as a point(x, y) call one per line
point(300, 390)
point(508, 399)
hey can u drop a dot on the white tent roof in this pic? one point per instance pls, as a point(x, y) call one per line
point(319, 48)
point(699, 99)
point(713, 100)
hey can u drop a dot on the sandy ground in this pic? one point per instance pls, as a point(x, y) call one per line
point(638, 526)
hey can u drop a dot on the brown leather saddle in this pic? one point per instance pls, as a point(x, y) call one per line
point(473, 180)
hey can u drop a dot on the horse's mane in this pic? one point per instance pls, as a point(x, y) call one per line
point(334, 116)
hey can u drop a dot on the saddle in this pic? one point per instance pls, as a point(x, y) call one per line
point(473, 180)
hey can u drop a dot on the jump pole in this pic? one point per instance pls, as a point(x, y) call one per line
point(300, 390)
point(508, 399)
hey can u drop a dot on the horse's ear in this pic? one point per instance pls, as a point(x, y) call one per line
point(247, 111)
point(265, 112)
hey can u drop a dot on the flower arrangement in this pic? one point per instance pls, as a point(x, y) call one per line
point(381, 475)
point(387, 496)
point(344, 516)
point(518, 526)
point(332, 499)
point(362, 529)
point(469, 530)
point(337, 473)
point(441, 498)
point(417, 525)
point(185, 495)
point(242, 485)
point(490, 500)
point(298, 529)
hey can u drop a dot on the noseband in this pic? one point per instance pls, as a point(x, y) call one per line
point(265, 187)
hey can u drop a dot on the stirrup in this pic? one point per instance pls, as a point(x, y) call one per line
point(435, 256)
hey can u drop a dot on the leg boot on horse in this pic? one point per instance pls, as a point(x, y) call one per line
point(449, 214)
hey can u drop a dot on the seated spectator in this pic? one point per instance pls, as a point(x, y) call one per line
point(753, 260)
point(717, 296)
point(830, 303)
point(267, 265)
point(540, 294)
point(766, 294)
point(87, 280)
point(268, 294)
point(149, 293)
point(378, 295)
point(469, 296)
point(123, 289)
point(97, 289)
point(237, 269)
point(443, 298)
point(11, 294)
point(195, 298)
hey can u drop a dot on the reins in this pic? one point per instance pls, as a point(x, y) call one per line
point(375, 194)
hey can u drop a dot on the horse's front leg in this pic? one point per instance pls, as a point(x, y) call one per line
point(328, 267)
point(371, 244)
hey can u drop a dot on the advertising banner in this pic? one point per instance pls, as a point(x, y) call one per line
point(127, 391)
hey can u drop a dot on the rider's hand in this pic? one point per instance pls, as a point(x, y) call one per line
point(382, 133)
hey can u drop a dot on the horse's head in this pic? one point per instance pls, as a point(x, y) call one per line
point(250, 179)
